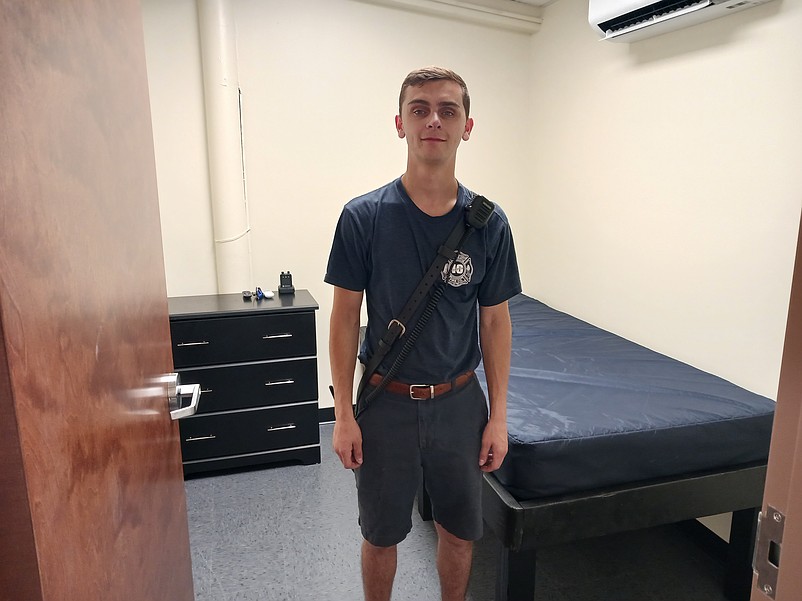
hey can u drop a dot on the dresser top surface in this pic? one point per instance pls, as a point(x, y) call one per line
point(220, 305)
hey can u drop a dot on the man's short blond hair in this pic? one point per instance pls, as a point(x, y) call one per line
point(418, 77)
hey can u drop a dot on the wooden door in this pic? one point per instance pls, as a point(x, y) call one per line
point(91, 488)
point(782, 500)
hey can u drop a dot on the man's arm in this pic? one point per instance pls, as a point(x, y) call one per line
point(343, 347)
point(495, 338)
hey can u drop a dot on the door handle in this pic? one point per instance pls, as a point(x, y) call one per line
point(177, 392)
point(193, 390)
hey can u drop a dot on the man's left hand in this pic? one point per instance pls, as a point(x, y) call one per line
point(494, 446)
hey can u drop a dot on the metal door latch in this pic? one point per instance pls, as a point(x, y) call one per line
point(768, 546)
point(177, 392)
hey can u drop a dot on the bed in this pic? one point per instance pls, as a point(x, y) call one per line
point(608, 436)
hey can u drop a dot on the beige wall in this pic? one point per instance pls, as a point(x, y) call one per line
point(665, 186)
point(320, 82)
point(654, 188)
point(176, 98)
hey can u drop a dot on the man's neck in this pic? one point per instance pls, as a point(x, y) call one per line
point(433, 192)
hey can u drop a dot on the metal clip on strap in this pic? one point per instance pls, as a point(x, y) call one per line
point(395, 329)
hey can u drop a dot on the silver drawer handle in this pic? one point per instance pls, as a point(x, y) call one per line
point(194, 438)
point(201, 343)
point(272, 336)
point(280, 382)
point(206, 390)
point(284, 427)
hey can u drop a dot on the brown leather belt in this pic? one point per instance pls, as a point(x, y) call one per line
point(423, 392)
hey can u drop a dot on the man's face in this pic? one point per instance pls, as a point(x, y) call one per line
point(433, 121)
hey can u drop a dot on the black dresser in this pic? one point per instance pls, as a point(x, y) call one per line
point(256, 363)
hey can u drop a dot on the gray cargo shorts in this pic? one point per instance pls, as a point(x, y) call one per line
point(406, 440)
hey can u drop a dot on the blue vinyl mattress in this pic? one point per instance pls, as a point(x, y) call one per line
point(588, 409)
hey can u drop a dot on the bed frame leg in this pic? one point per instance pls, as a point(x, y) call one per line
point(738, 576)
point(515, 575)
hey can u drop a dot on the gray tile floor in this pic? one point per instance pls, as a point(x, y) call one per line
point(291, 533)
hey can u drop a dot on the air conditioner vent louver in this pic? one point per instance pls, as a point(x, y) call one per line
point(632, 20)
point(650, 13)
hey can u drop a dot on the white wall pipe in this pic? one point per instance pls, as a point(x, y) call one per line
point(224, 142)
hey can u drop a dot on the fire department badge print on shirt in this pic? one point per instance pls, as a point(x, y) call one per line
point(458, 272)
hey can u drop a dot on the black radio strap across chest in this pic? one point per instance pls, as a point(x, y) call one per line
point(477, 215)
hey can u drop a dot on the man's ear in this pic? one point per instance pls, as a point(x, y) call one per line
point(466, 135)
point(399, 126)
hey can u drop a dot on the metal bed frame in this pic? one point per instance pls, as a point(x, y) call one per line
point(523, 527)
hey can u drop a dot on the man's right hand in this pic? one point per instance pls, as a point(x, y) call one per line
point(347, 442)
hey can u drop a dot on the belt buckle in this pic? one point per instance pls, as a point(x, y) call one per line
point(412, 388)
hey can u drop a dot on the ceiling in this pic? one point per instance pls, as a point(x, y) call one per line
point(517, 15)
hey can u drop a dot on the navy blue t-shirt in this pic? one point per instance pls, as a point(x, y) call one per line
point(384, 244)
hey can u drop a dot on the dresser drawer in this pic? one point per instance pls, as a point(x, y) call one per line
point(239, 339)
point(253, 384)
point(249, 431)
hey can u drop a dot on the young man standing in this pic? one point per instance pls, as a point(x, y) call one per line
point(431, 422)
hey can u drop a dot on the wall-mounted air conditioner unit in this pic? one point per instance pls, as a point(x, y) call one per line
point(632, 20)
point(524, 16)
